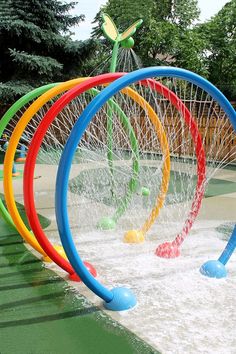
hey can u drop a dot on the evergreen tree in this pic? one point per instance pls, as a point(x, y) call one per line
point(36, 47)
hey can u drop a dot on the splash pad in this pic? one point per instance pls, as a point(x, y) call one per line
point(141, 159)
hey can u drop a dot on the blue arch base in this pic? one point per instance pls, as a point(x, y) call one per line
point(214, 269)
point(123, 299)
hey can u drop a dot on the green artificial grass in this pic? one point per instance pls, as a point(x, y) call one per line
point(41, 313)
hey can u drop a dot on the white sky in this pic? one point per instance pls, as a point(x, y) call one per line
point(90, 7)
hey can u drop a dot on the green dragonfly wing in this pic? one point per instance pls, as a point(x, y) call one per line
point(131, 30)
point(109, 28)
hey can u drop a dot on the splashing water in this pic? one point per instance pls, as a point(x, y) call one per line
point(163, 288)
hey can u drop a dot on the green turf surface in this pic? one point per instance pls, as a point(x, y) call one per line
point(45, 222)
point(40, 313)
point(218, 187)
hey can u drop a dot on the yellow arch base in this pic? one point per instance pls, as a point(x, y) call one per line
point(59, 250)
point(134, 236)
point(19, 129)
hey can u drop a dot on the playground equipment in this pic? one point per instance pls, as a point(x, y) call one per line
point(111, 32)
point(23, 149)
point(3, 147)
point(117, 298)
point(125, 39)
point(8, 122)
point(8, 188)
point(134, 146)
point(37, 140)
point(132, 236)
point(9, 193)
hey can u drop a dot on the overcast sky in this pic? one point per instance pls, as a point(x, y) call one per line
point(90, 7)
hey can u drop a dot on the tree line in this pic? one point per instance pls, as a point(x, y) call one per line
point(37, 46)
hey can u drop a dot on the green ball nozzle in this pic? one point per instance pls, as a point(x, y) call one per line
point(128, 43)
point(145, 191)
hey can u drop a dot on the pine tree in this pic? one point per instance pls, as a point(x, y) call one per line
point(36, 45)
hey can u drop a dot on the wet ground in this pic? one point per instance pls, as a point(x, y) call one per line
point(41, 313)
point(179, 310)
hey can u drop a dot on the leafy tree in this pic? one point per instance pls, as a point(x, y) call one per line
point(36, 46)
point(167, 36)
point(221, 48)
point(124, 12)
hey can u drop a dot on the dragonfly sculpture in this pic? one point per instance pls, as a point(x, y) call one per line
point(124, 39)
